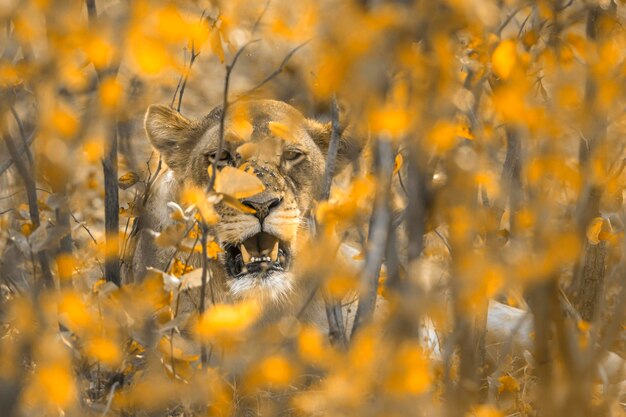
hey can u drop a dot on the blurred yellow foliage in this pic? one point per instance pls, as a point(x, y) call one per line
point(56, 383)
point(74, 312)
point(64, 121)
point(504, 59)
point(275, 371)
point(507, 383)
point(223, 321)
point(110, 93)
point(410, 372)
point(65, 265)
point(105, 350)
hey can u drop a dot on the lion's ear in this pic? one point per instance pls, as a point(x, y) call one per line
point(348, 149)
point(171, 134)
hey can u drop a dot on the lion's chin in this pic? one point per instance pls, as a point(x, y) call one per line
point(267, 286)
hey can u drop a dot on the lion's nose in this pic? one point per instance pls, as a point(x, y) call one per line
point(262, 205)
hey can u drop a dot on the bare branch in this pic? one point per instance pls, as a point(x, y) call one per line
point(280, 69)
point(378, 236)
point(258, 20)
point(220, 147)
point(31, 193)
point(336, 330)
point(92, 11)
point(507, 20)
point(20, 126)
point(22, 149)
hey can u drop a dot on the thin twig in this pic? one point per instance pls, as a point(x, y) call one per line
point(258, 20)
point(20, 126)
point(92, 12)
point(378, 237)
point(205, 268)
point(107, 408)
point(11, 195)
point(9, 163)
point(82, 224)
point(194, 55)
point(31, 193)
point(278, 70)
point(523, 25)
point(336, 329)
point(110, 170)
point(220, 147)
point(507, 20)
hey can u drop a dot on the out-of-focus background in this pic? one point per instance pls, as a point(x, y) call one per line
point(486, 212)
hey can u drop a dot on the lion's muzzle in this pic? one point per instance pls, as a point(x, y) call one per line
point(261, 254)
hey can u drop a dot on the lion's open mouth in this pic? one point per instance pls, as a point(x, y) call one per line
point(260, 253)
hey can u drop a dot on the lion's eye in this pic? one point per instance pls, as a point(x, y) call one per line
point(224, 158)
point(293, 156)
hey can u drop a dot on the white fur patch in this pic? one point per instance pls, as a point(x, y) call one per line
point(276, 287)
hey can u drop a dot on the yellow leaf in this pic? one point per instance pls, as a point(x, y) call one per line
point(463, 130)
point(180, 268)
point(236, 204)
point(530, 38)
point(175, 352)
point(213, 249)
point(26, 229)
point(237, 183)
point(127, 180)
point(195, 196)
point(198, 33)
point(281, 130)
point(240, 125)
point(504, 59)
point(583, 325)
point(507, 383)
point(594, 229)
point(130, 212)
point(397, 163)
point(216, 44)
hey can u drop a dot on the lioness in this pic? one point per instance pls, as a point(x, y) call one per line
point(260, 248)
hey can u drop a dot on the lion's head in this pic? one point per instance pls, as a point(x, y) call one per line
point(285, 150)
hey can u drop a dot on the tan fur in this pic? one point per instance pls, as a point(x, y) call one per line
point(184, 144)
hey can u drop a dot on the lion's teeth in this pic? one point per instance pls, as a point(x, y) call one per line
point(247, 259)
point(274, 253)
point(245, 256)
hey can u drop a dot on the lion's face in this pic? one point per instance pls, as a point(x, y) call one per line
point(259, 248)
